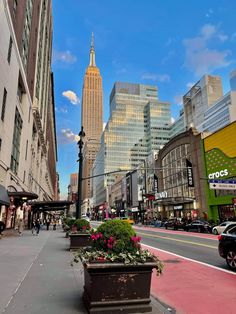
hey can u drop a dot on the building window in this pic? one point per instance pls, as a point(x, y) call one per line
point(4, 100)
point(0, 144)
point(14, 7)
point(9, 51)
point(16, 142)
point(26, 150)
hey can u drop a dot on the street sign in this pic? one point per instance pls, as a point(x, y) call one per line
point(222, 181)
point(222, 184)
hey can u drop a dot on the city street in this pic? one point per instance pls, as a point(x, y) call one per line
point(193, 271)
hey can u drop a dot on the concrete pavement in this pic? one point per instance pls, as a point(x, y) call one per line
point(37, 277)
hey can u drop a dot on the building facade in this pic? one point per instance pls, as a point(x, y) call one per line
point(199, 98)
point(222, 112)
point(27, 125)
point(180, 170)
point(138, 124)
point(92, 119)
point(220, 163)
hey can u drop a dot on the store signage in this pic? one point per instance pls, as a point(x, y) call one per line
point(161, 195)
point(155, 184)
point(178, 207)
point(189, 173)
point(222, 184)
point(218, 174)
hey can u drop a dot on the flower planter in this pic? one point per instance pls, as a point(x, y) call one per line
point(117, 287)
point(79, 240)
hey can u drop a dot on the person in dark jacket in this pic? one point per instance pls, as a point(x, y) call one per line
point(2, 227)
point(37, 226)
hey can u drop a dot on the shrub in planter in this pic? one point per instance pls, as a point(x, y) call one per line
point(117, 271)
point(82, 225)
point(116, 241)
point(80, 234)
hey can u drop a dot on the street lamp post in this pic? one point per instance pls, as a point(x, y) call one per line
point(79, 198)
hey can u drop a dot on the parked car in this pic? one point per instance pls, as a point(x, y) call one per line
point(174, 223)
point(220, 228)
point(227, 246)
point(198, 226)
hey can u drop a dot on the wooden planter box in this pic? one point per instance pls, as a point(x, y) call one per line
point(117, 288)
point(78, 240)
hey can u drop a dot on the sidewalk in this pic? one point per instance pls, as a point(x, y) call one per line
point(37, 277)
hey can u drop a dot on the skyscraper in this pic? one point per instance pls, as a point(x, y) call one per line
point(199, 98)
point(138, 125)
point(92, 117)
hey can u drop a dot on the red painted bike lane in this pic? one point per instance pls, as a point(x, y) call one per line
point(193, 288)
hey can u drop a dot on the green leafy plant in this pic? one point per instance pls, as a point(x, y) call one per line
point(116, 241)
point(69, 221)
point(81, 225)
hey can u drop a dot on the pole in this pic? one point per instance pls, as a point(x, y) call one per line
point(79, 198)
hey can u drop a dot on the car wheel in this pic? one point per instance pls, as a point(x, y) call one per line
point(231, 259)
point(215, 231)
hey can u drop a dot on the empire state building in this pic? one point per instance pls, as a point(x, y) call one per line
point(92, 118)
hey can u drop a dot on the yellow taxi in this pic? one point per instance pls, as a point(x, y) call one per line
point(128, 219)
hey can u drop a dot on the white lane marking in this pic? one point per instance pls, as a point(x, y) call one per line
point(191, 260)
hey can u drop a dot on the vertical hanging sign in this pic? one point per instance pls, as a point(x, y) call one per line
point(189, 173)
point(155, 181)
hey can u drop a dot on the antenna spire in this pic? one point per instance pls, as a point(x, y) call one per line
point(92, 52)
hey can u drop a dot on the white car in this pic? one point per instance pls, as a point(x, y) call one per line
point(219, 229)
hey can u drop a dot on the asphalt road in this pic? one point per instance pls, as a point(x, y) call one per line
point(192, 245)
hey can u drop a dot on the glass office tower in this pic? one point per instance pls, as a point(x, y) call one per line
point(138, 124)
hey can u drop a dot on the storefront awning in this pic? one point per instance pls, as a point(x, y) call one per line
point(4, 198)
point(43, 206)
point(173, 200)
point(23, 195)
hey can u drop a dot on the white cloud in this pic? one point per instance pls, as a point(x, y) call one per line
point(156, 77)
point(208, 30)
point(104, 125)
point(73, 98)
point(178, 99)
point(64, 56)
point(222, 37)
point(209, 13)
point(172, 120)
point(199, 58)
point(190, 85)
point(67, 136)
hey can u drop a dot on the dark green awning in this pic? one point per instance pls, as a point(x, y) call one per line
point(4, 198)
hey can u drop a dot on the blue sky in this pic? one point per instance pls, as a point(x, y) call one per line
point(169, 44)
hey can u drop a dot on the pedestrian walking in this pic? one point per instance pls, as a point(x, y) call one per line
point(54, 225)
point(20, 227)
point(37, 226)
point(2, 227)
point(48, 223)
point(33, 230)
